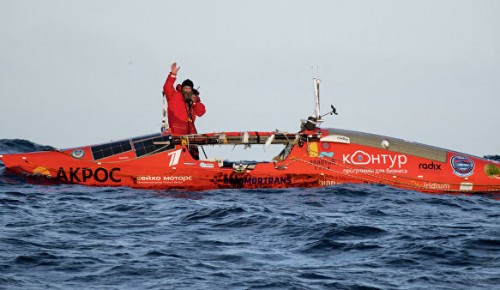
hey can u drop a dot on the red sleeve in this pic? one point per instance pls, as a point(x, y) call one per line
point(199, 109)
point(168, 87)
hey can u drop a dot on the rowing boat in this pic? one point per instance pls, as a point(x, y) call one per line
point(311, 157)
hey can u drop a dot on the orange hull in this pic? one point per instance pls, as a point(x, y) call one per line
point(321, 158)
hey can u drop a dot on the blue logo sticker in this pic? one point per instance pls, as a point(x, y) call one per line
point(327, 154)
point(462, 166)
point(78, 153)
point(206, 165)
point(326, 146)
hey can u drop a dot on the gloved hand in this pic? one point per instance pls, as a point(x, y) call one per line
point(195, 99)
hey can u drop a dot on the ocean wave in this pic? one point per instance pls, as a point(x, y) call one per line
point(492, 157)
point(21, 145)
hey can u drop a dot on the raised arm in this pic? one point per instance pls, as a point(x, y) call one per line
point(168, 87)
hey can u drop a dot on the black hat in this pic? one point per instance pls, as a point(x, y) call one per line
point(187, 83)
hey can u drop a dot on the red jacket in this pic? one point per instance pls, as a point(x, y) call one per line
point(178, 119)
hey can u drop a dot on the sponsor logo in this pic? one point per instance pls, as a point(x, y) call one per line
point(491, 170)
point(177, 178)
point(174, 157)
point(78, 153)
point(362, 158)
point(437, 186)
point(327, 182)
point(163, 179)
point(41, 171)
point(321, 164)
point(336, 139)
point(83, 174)
point(374, 171)
point(462, 166)
point(206, 165)
point(149, 178)
point(326, 146)
point(343, 138)
point(313, 149)
point(430, 166)
point(327, 154)
point(258, 180)
point(466, 186)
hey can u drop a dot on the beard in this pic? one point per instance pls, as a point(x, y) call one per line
point(187, 96)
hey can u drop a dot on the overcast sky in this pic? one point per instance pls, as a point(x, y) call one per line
point(83, 72)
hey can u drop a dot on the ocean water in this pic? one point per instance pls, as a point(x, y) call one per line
point(339, 237)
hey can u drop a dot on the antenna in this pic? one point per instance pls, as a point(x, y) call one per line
point(314, 121)
point(316, 83)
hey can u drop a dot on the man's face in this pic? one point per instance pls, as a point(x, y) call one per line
point(187, 92)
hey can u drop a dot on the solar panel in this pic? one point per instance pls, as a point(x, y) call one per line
point(109, 149)
point(142, 145)
point(147, 146)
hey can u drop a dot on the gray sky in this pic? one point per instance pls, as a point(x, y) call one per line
point(82, 72)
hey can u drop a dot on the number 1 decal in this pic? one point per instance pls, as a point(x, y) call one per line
point(174, 159)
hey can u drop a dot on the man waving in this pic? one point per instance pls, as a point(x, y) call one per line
point(184, 104)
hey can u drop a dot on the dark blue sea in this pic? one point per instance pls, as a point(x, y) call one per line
point(339, 237)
